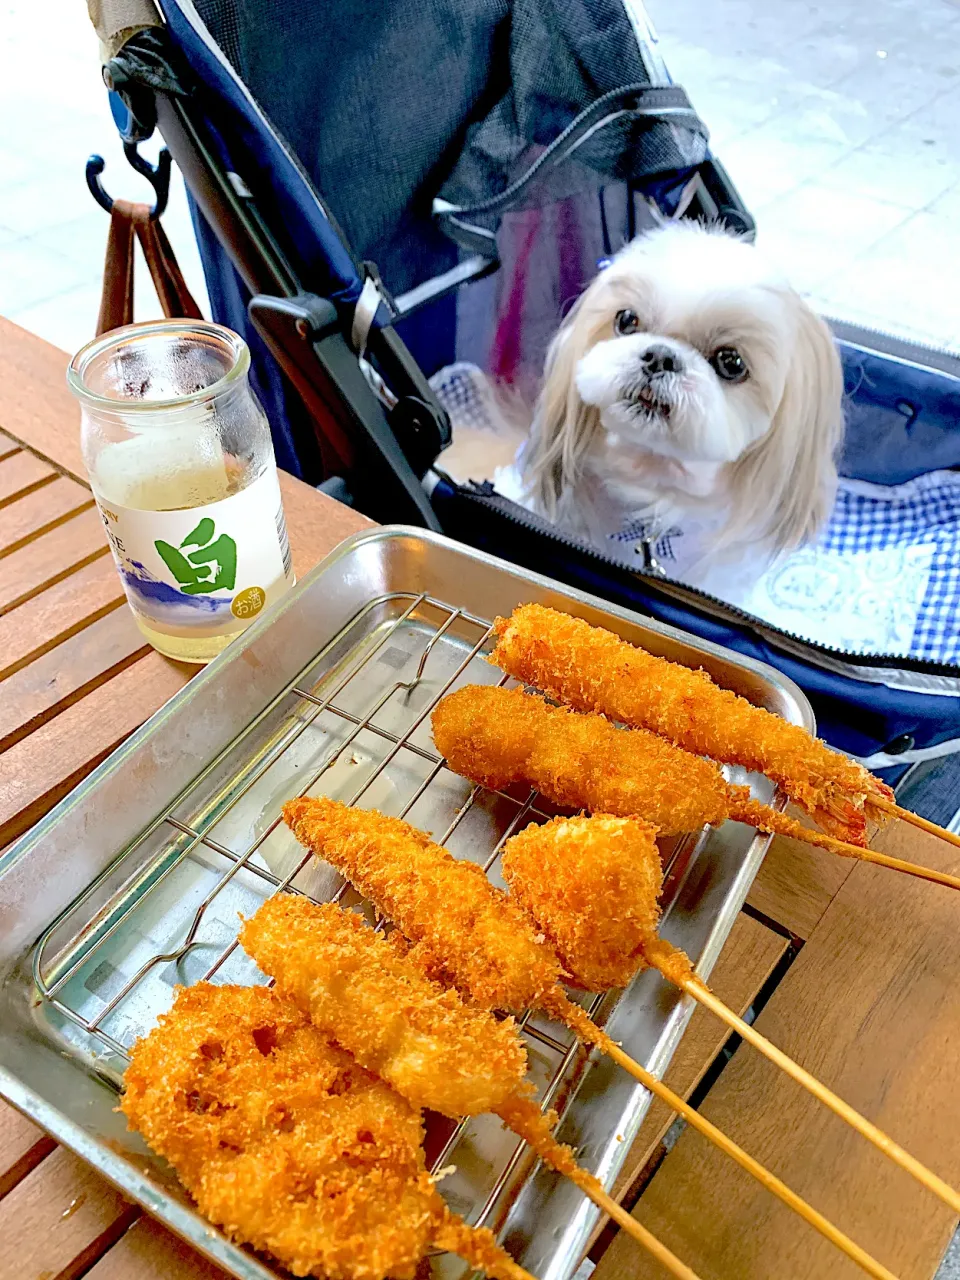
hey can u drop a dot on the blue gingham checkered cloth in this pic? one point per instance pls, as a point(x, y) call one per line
point(923, 513)
point(884, 577)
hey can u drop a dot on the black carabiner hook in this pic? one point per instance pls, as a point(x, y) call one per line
point(158, 176)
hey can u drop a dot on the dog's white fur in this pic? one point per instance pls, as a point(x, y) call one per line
point(752, 461)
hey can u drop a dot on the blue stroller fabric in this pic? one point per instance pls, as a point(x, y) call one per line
point(911, 534)
point(857, 712)
point(379, 141)
point(388, 106)
point(883, 578)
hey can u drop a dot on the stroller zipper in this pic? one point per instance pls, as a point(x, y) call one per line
point(485, 495)
point(898, 347)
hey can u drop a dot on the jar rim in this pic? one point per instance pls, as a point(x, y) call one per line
point(144, 328)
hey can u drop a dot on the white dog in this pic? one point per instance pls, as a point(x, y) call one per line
point(690, 397)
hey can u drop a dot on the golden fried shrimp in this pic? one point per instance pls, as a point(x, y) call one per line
point(591, 885)
point(499, 736)
point(281, 1138)
point(591, 669)
point(461, 924)
point(433, 1048)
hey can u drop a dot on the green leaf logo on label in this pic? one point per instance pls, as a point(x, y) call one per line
point(212, 567)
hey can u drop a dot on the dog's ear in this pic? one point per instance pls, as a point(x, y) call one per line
point(786, 483)
point(563, 425)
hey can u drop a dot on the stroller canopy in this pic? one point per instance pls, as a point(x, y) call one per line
point(388, 106)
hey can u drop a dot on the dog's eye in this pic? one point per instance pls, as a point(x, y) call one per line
point(627, 322)
point(728, 364)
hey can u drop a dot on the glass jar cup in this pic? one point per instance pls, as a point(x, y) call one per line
point(181, 463)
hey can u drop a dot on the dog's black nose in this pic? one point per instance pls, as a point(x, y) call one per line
point(660, 358)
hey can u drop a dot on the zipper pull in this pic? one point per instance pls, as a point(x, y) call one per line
point(651, 564)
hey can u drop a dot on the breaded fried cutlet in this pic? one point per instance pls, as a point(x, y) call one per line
point(281, 1138)
point(291, 1146)
point(460, 923)
point(592, 669)
point(437, 1050)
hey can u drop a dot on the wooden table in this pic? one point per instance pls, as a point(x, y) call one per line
point(856, 968)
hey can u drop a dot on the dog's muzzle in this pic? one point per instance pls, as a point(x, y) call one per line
point(653, 391)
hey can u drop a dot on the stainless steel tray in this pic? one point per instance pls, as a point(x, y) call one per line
point(134, 883)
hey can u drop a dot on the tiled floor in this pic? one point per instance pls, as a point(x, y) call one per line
point(838, 122)
point(840, 125)
point(53, 114)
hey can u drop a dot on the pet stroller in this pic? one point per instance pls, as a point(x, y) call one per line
point(382, 191)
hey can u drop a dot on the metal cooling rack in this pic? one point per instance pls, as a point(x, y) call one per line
point(101, 928)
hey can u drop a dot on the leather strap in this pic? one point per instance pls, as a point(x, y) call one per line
point(116, 302)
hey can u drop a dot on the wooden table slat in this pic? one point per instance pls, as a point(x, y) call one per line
point(52, 616)
point(39, 511)
point(47, 686)
point(149, 1252)
point(51, 558)
point(796, 883)
point(20, 472)
point(870, 1002)
point(59, 1220)
point(38, 771)
point(870, 1007)
point(37, 409)
point(315, 528)
point(22, 1147)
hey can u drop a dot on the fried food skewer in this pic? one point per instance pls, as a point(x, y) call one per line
point(592, 669)
point(288, 1144)
point(474, 931)
point(591, 884)
point(355, 987)
point(405, 876)
point(496, 736)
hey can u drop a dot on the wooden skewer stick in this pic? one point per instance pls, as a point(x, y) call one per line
point(889, 806)
point(659, 956)
point(575, 1018)
point(633, 1228)
point(769, 820)
point(525, 1118)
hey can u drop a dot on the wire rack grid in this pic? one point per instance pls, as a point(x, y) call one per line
point(562, 1058)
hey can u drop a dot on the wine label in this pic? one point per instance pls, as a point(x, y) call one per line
point(217, 565)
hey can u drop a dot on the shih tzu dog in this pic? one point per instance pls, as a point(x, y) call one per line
point(691, 402)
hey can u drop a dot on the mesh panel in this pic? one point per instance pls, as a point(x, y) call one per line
point(223, 23)
point(387, 106)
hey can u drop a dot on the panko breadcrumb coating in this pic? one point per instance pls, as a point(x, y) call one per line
point(591, 669)
point(591, 885)
point(285, 943)
point(425, 1041)
point(498, 736)
point(461, 924)
point(281, 1138)
point(288, 1144)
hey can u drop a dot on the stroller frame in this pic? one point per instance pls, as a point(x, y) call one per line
point(371, 454)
